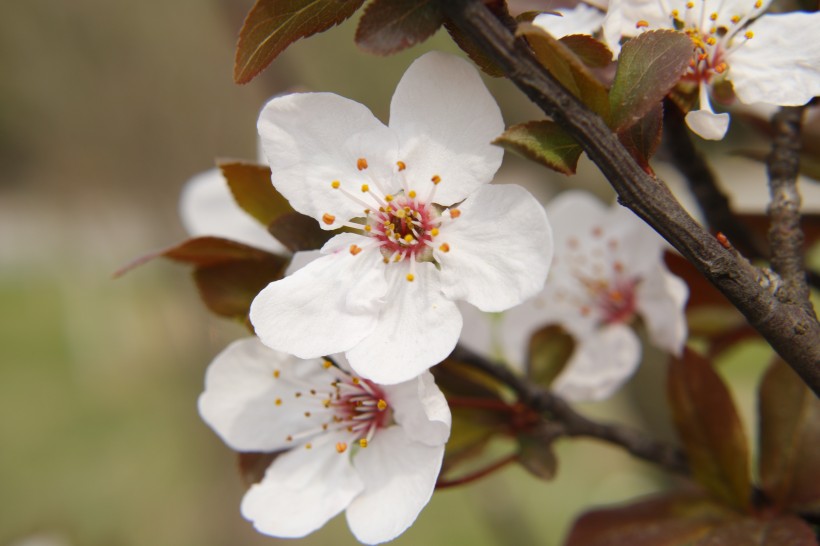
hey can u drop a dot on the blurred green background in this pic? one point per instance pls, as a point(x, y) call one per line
point(106, 109)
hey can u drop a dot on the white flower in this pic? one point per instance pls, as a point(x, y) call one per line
point(772, 59)
point(348, 444)
point(207, 208)
point(608, 269)
point(581, 19)
point(429, 228)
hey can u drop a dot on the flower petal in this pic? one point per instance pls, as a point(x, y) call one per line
point(500, 249)
point(781, 63)
point(600, 364)
point(206, 207)
point(308, 313)
point(445, 119)
point(421, 409)
point(312, 139)
point(582, 19)
point(399, 476)
point(661, 300)
point(707, 124)
point(417, 330)
point(302, 489)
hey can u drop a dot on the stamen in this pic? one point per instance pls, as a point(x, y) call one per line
point(382, 405)
point(363, 442)
point(444, 247)
point(436, 179)
point(328, 218)
point(365, 188)
point(455, 213)
point(642, 24)
point(401, 165)
point(276, 373)
point(410, 277)
point(361, 164)
point(355, 249)
point(335, 184)
point(341, 447)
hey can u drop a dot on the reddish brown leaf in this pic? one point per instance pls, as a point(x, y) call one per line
point(388, 26)
point(593, 53)
point(474, 51)
point(789, 440)
point(272, 25)
point(673, 519)
point(299, 232)
point(229, 288)
point(536, 455)
point(252, 465)
point(710, 428)
point(253, 191)
point(649, 66)
point(543, 142)
point(782, 531)
point(642, 138)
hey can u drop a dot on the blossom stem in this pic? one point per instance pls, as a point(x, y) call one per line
point(789, 328)
point(486, 471)
point(574, 424)
point(785, 235)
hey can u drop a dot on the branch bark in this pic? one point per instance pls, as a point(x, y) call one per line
point(790, 329)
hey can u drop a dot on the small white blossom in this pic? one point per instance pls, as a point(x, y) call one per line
point(428, 229)
point(581, 19)
point(347, 444)
point(771, 58)
point(608, 270)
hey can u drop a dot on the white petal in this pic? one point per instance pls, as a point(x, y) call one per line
point(307, 314)
point(600, 364)
point(207, 208)
point(574, 213)
point(399, 477)
point(661, 301)
point(301, 259)
point(417, 329)
point(707, 124)
point(312, 139)
point(582, 19)
point(445, 119)
point(301, 491)
point(421, 409)
point(781, 63)
point(622, 16)
point(500, 249)
point(240, 396)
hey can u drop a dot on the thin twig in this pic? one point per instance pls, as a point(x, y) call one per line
point(573, 423)
point(790, 329)
point(785, 235)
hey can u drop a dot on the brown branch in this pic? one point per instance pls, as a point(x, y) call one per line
point(575, 424)
point(790, 329)
point(785, 235)
point(702, 182)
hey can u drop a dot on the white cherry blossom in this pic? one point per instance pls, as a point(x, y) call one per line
point(346, 443)
point(427, 228)
point(207, 208)
point(608, 270)
point(584, 18)
point(768, 58)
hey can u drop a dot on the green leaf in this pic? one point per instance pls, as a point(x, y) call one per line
point(536, 455)
point(593, 53)
point(643, 138)
point(229, 288)
point(781, 531)
point(272, 25)
point(789, 440)
point(544, 142)
point(299, 232)
point(567, 68)
point(549, 351)
point(253, 191)
point(710, 428)
point(388, 26)
point(649, 66)
point(671, 519)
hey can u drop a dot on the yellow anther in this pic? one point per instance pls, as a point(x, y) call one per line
point(367, 228)
point(401, 165)
point(721, 68)
point(711, 40)
point(328, 218)
point(307, 414)
point(434, 231)
point(713, 16)
point(354, 249)
point(758, 4)
point(388, 197)
point(675, 13)
point(297, 394)
point(400, 213)
point(326, 403)
point(326, 364)
point(455, 213)
point(642, 24)
point(276, 373)
point(341, 447)
point(397, 258)
point(365, 188)
point(361, 164)
point(411, 194)
point(289, 438)
point(308, 445)
point(335, 184)
point(444, 247)
point(690, 5)
point(363, 442)
point(324, 426)
point(409, 238)
point(410, 277)
point(382, 405)
point(436, 179)
point(355, 380)
point(278, 401)
point(749, 35)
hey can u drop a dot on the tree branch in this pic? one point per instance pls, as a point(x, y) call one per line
point(785, 235)
point(575, 424)
point(791, 331)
